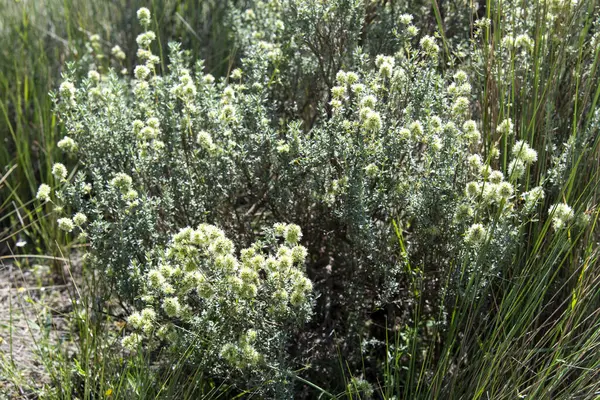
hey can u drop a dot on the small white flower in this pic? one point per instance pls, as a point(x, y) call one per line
point(404, 133)
point(473, 189)
point(132, 342)
point(121, 181)
point(460, 77)
point(67, 144)
point(338, 92)
point(144, 54)
point(208, 79)
point(299, 254)
point(118, 53)
point(506, 127)
point(43, 193)
point(65, 224)
point(292, 234)
point(386, 70)
point(372, 170)
point(79, 219)
point(372, 121)
point(405, 19)
point(381, 59)
point(470, 126)
point(368, 101)
point(460, 106)
point(516, 169)
point(475, 234)
point(429, 46)
point(143, 15)
point(475, 162)
point(341, 78)
point(141, 72)
point(416, 129)
point(436, 143)
point(145, 39)
point(524, 41)
point(505, 190)
point(561, 214)
point(205, 141)
point(533, 197)
point(172, 307)
point(283, 147)
point(153, 122)
point(524, 152)
point(94, 75)
point(59, 171)
point(351, 78)
point(67, 91)
point(228, 112)
point(357, 88)
point(435, 124)
point(496, 177)
point(494, 153)
point(236, 74)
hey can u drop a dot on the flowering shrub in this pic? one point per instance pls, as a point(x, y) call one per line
point(226, 313)
point(373, 150)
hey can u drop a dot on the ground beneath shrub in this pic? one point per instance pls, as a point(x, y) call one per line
point(33, 309)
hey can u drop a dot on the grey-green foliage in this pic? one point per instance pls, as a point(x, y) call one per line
point(37, 37)
point(200, 300)
point(312, 40)
point(389, 138)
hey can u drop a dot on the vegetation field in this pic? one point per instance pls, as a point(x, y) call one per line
point(299, 199)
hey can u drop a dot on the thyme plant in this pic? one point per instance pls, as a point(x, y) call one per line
point(376, 157)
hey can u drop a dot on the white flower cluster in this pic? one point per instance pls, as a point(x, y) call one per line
point(67, 92)
point(506, 127)
point(429, 46)
point(476, 234)
point(523, 156)
point(186, 89)
point(121, 181)
point(491, 191)
point(59, 171)
point(68, 224)
point(118, 53)
point(533, 198)
point(143, 15)
point(385, 65)
point(349, 89)
point(562, 214)
point(43, 193)
point(67, 144)
point(199, 282)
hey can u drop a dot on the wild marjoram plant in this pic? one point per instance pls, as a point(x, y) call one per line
point(200, 299)
point(176, 170)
